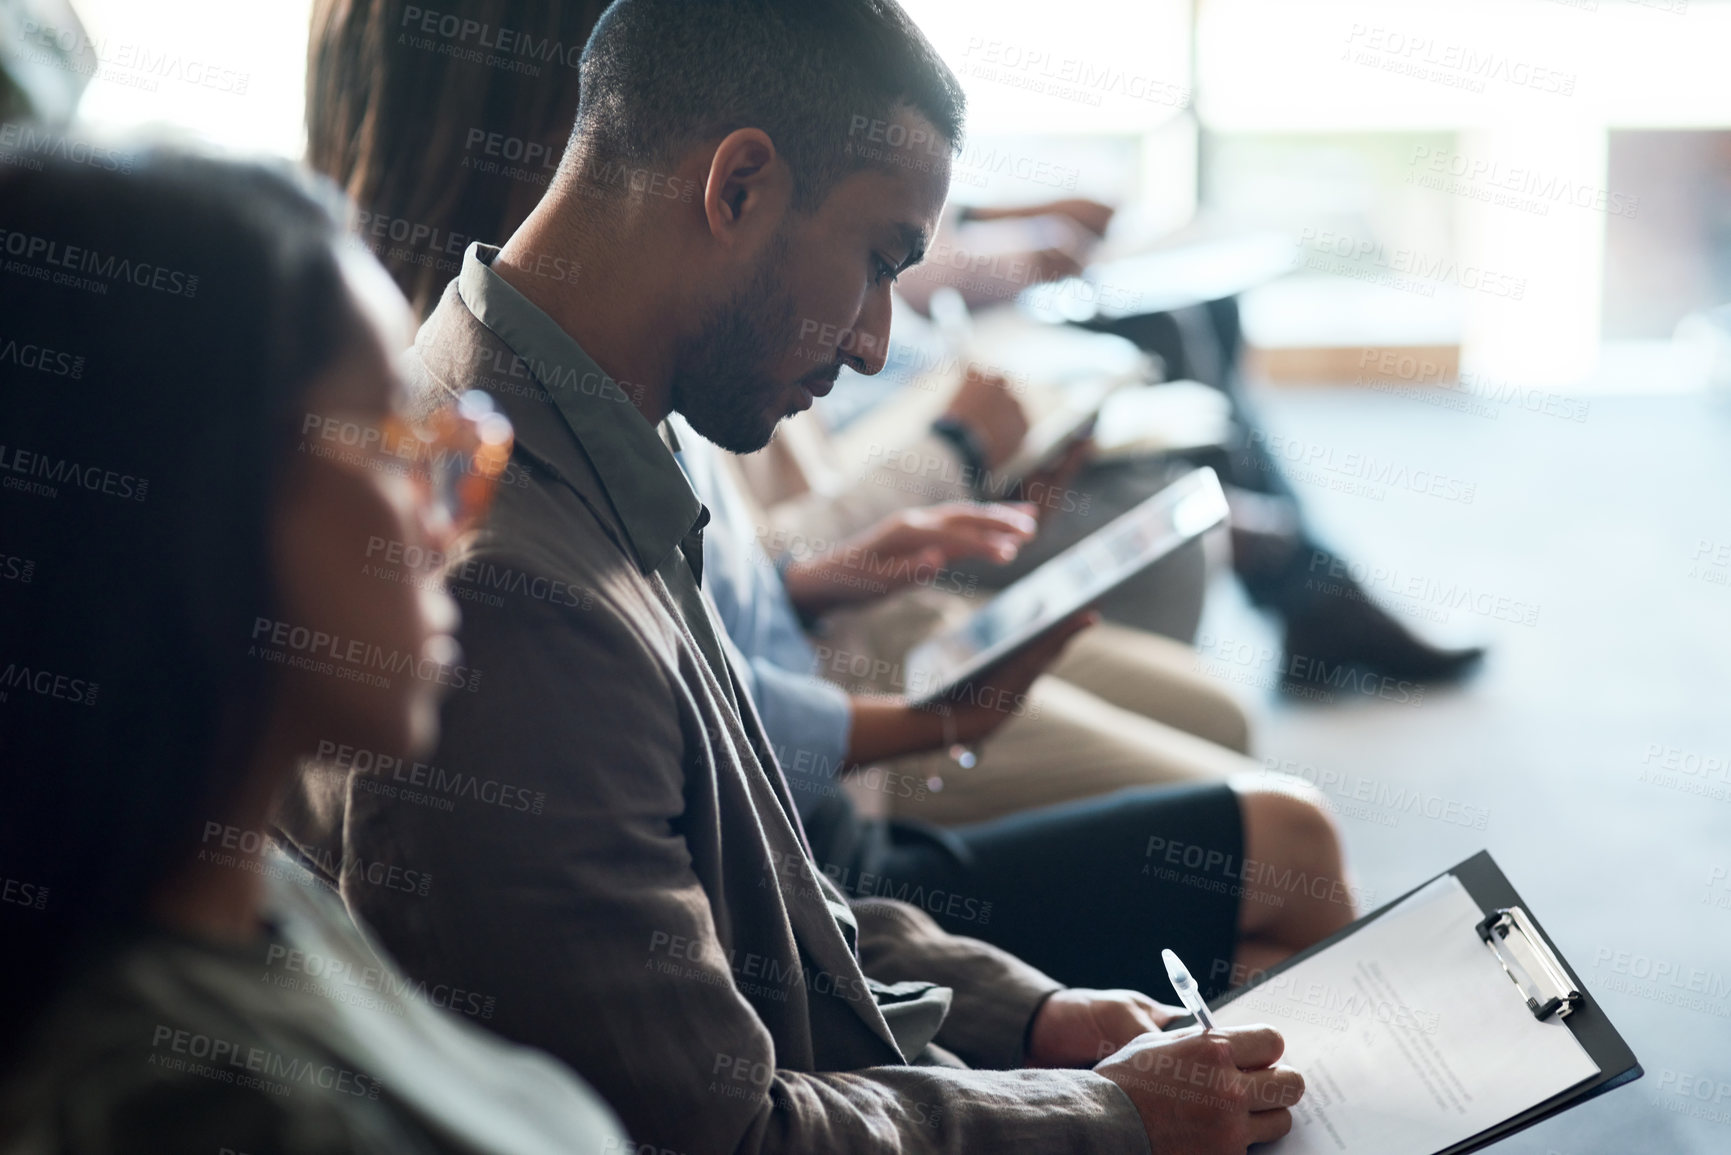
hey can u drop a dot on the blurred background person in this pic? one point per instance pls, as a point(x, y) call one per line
point(150, 720)
point(433, 146)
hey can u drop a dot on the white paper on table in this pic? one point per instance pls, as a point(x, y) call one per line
point(1409, 1034)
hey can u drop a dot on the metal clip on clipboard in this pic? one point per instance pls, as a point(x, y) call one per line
point(1530, 963)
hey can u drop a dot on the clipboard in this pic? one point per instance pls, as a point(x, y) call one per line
point(1538, 974)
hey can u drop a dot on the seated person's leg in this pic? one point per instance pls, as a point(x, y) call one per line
point(1062, 744)
point(1142, 672)
point(1276, 562)
point(1157, 678)
point(1226, 875)
point(1295, 888)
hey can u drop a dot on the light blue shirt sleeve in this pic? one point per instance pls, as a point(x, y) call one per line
point(808, 720)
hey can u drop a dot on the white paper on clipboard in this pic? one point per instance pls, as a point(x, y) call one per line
point(1409, 1035)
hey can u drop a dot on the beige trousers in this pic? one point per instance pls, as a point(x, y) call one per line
point(1120, 707)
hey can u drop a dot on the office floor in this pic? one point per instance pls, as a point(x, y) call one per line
point(1594, 748)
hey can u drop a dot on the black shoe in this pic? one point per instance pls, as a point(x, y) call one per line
point(1336, 634)
point(1343, 639)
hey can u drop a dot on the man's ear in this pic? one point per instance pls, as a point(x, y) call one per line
point(749, 187)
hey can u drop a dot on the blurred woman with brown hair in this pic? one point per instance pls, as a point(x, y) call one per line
point(442, 129)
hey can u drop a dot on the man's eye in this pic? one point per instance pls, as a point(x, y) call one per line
point(884, 271)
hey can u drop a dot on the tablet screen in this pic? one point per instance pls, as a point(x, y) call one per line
point(1068, 582)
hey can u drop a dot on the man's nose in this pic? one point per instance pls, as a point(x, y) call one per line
point(869, 346)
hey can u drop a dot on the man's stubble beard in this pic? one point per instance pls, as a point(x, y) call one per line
point(720, 381)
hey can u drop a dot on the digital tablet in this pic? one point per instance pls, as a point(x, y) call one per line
point(1071, 581)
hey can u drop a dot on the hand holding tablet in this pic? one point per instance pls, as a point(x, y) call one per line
point(1068, 583)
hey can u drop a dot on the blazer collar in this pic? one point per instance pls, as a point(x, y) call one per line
point(650, 494)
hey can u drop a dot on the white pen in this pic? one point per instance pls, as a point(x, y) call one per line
point(1186, 988)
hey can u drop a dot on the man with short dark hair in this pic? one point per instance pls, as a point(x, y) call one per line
point(743, 184)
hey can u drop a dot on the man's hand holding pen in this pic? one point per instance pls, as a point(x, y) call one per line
point(1208, 1092)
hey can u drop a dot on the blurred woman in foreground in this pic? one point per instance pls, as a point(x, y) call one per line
point(198, 459)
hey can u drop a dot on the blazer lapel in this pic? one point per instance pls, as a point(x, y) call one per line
point(823, 925)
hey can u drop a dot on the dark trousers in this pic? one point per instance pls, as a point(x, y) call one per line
point(1088, 891)
point(1203, 343)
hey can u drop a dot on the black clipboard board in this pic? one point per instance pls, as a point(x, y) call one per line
point(1486, 884)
